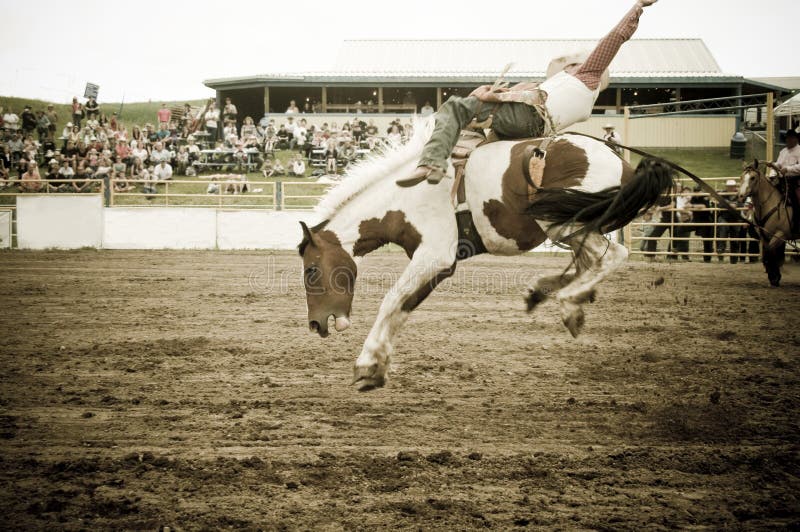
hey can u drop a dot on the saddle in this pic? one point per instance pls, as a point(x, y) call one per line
point(533, 161)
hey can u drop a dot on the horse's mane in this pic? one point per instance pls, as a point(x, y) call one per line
point(374, 168)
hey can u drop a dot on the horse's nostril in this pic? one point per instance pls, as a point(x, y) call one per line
point(313, 325)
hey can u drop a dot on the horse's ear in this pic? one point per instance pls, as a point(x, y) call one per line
point(307, 238)
point(755, 164)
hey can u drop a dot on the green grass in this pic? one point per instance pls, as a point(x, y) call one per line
point(135, 113)
point(704, 162)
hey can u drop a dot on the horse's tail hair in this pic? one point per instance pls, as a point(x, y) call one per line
point(606, 210)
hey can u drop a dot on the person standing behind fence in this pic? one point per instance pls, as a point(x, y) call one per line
point(725, 221)
point(701, 216)
point(613, 137)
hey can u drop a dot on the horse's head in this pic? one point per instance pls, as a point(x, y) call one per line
point(750, 175)
point(329, 274)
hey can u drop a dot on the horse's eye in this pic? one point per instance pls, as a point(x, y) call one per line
point(311, 274)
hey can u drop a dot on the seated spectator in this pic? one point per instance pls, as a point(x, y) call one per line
point(298, 135)
point(52, 177)
point(292, 109)
point(331, 154)
point(230, 135)
point(159, 154)
point(31, 181)
point(394, 138)
point(103, 169)
point(182, 160)
point(15, 147)
point(4, 166)
point(140, 152)
point(264, 122)
point(123, 151)
point(82, 178)
point(114, 122)
point(162, 171)
point(162, 135)
point(248, 128)
point(298, 167)
point(282, 137)
point(92, 109)
point(118, 175)
point(148, 177)
point(192, 148)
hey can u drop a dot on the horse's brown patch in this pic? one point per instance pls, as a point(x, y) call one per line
point(566, 167)
point(424, 291)
point(393, 227)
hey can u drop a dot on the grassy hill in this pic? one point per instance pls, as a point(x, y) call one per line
point(138, 113)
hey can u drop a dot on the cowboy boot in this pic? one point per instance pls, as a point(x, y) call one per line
point(432, 174)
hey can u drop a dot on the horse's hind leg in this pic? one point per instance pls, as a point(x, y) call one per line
point(595, 259)
point(544, 287)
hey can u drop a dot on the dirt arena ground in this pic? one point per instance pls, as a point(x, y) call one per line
point(141, 390)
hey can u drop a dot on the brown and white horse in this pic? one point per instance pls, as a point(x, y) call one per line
point(771, 213)
point(585, 186)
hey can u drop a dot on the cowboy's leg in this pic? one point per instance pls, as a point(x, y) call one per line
point(600, 58)
point(451, 118)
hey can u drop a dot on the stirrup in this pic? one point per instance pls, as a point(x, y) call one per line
point(432, 174)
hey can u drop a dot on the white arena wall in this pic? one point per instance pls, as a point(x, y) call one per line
point(66, 222)
point(71, 222)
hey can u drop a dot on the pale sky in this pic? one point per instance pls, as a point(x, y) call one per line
point(163, 50)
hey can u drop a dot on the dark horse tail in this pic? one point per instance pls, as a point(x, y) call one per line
point(608, 209)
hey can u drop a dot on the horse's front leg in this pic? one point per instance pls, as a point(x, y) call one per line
point(423, 273)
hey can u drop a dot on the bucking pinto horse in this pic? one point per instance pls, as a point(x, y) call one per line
point(772, 214)
point(587, 190)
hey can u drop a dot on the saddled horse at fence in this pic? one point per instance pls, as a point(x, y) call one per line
point(586, 190)
point(772, 214)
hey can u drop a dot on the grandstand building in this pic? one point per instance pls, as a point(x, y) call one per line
point(384, 79)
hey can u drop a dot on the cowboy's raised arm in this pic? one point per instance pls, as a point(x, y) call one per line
point(598, 61)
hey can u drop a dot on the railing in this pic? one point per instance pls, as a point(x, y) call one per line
point(718, 237)
point(222, 193)
point(300, 195)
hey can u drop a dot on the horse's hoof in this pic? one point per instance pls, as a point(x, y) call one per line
point(368, 378)
point(534, 298)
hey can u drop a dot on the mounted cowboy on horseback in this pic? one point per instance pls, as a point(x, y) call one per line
point(528, 110)
point(776, 203)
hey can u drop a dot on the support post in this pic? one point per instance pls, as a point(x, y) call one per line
point(770, 127)
point(380, 99)
point(266, 99)
point(278, 195)
point(626, 132)
point(438, 97)
point(324, 108)
point(618, 102)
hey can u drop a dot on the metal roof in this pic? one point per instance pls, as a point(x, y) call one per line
point(469, 61)
point(530, 57)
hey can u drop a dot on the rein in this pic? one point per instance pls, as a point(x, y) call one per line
point(702, 184)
